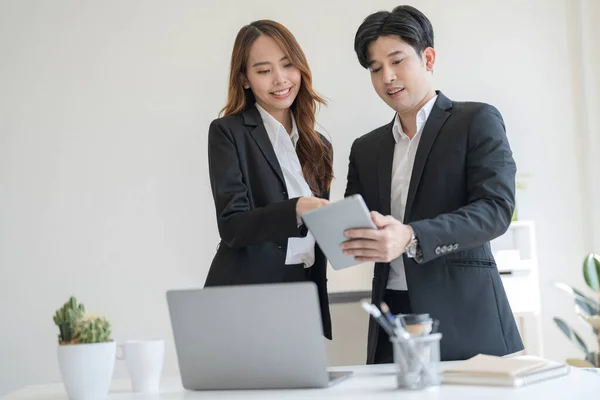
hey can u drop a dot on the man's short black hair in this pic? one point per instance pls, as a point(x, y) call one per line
point(410, 24)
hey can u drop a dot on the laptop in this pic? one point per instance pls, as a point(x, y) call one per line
point(263, 336)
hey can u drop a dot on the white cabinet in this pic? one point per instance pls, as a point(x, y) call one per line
point(516, 257)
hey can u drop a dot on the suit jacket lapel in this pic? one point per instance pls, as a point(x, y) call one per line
point(439, 113)
point(385, 164)
point(259, 134)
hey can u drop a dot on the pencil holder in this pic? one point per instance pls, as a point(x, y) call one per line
point(418, 361)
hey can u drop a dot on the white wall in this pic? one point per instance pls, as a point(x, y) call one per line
point(104, 110)
point(590, 90)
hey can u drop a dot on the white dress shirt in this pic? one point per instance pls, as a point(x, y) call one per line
point(299, 250)
point(404, 158)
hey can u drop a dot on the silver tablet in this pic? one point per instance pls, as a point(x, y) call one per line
point(328, 224)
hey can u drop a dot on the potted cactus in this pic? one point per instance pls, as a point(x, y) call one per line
point(86, 352)
point(587, 309)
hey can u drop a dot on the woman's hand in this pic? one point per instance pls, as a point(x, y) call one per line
point(305, 204)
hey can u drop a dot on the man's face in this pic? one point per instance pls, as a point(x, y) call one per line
point(400, 76)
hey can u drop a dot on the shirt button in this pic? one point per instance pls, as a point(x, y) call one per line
point(284, 193)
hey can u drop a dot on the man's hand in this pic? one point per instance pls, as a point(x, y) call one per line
point(382, 245)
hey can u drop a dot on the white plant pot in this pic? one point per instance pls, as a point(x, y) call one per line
point(87, 369)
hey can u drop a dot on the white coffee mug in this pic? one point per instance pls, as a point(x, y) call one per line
point(144, 360)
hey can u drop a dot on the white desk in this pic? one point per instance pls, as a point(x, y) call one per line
point(368, 382)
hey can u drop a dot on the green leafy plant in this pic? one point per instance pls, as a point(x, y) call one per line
point(76, 328)
point(519, 185)
point(587, 309)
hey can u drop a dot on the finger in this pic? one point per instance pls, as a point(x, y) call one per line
point(376, 214)
point(359, 244)
point(371, 234)
point(377, 218)
point(362, 253)
point(382, 221)
point(371, 259)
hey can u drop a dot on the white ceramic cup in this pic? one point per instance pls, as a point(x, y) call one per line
point(144, 360)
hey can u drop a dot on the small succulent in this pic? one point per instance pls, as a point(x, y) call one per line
point(75, 327)
point(66, 318)
point(93, 329)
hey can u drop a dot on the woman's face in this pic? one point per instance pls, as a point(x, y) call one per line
point(270, 75)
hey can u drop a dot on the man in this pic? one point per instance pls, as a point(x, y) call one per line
point(444, 170)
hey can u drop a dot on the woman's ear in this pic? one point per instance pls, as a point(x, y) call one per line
point(245, 83)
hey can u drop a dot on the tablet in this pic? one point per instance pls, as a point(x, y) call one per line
point(328, 224)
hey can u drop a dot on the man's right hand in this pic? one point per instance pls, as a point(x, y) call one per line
point(305, 204)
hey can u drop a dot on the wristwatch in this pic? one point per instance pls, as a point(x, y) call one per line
point(413, 250)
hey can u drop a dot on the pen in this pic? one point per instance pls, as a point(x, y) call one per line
point(436, 324)
point(376, 314)
point(386, 311)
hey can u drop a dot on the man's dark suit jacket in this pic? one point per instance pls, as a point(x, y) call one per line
point(255, 215)
point(461, 196)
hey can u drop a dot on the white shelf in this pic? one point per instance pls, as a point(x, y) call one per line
point(516, 258)
point(521, 224)
point(517, 267)
point(519, 237)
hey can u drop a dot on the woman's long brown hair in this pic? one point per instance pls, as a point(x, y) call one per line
point(315, 156)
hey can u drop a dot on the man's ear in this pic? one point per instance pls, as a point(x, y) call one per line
point(429, 58)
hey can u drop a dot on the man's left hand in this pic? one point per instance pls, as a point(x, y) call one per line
point(382, 245)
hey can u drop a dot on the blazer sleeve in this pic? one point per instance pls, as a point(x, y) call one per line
point(239, 226)
point(353, 185)
point(490, 172)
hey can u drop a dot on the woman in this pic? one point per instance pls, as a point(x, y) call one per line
point(268, 165)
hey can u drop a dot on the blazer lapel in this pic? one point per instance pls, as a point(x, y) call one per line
point(259, 134)
point(439, 113)
point(385, 164)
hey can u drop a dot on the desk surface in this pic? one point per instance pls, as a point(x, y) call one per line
point(368, 382)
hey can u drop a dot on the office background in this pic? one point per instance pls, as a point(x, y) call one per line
point(104, 114)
